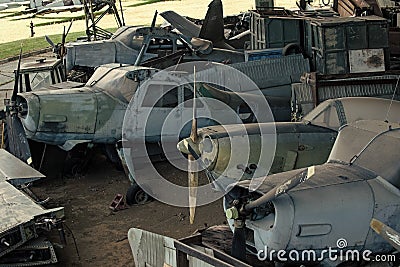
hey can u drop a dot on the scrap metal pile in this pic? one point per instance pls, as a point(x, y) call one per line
point(330, 77)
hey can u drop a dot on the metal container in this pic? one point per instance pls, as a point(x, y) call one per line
point(264, 4)
point(274, 28)
point(315, 89)
point(347, 45)
point(394, 41)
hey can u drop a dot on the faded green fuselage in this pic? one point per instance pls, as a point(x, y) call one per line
point(93, 113)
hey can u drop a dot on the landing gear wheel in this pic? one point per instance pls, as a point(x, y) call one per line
point(291, 49)
point(136, 195)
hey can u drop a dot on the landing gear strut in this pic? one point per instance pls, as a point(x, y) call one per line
point(135, 194)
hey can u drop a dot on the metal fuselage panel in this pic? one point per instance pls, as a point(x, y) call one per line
point(298, 145)
point(338, 202)
point(75, 114)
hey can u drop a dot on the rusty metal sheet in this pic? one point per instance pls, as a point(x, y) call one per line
point(16, 171)
point(16, 208)
point(150, 249)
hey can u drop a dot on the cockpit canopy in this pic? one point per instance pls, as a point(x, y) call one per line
point(372, 145)
point(119, 81)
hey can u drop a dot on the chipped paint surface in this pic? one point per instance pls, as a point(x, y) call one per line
point(393, 237)
point(150, 249)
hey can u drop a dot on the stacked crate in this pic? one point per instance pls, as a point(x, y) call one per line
point(274, 28)
point(340, 45)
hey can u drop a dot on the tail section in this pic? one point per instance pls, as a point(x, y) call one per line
point(213, 25)
point(35, 3)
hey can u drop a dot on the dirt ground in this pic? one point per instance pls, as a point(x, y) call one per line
point(101, 234)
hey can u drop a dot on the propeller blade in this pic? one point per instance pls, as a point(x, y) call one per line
point(69, 28)
point(49, 41)
point(16, 80)
point(18, 143)
point(389, 234)
point(282, 188)
point(63, 37)
point(193, 179)
point(193, 183)
point(239, 243)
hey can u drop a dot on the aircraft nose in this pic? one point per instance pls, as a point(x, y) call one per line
point(29, 110)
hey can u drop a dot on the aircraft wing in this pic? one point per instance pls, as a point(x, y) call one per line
point(59, 9)
point(185, 26)
point(19, 213)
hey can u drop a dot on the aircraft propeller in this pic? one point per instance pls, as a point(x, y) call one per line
point(193, 176)
point(18, 143)
point(59, 48)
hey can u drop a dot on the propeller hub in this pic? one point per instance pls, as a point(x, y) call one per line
point(232, 213)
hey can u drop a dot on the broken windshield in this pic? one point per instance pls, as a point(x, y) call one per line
point(129, 37)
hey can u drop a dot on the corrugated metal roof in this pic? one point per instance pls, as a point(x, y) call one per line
point(302, 92)
point(275, 71)
point(266, 73)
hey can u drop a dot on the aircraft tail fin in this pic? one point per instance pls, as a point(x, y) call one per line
point(213, 25)
point(34, 3)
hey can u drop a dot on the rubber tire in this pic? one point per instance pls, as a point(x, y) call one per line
point(136, 196)
point(291, 49)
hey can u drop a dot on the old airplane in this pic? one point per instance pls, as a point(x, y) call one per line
point(7, 4)
point(212, 28)
point(303, 217)
point(71, 117)
point(299, 144)
point(314, 208)
point(42, 7)
point(143, 45)
point(23, 219)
